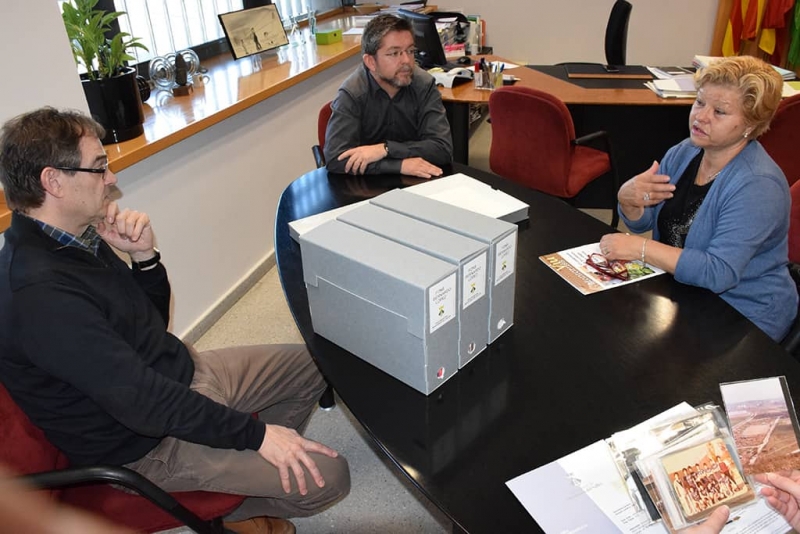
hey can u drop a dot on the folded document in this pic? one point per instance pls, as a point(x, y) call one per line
point(458, 190)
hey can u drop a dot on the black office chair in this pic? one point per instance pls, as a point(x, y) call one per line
point(617, 33)
point(616, 36)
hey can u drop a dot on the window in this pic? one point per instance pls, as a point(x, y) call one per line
point(166, 26)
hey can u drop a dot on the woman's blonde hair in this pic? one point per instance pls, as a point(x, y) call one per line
point(759, 85)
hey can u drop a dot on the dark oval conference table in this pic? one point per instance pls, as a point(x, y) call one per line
point(572, 370)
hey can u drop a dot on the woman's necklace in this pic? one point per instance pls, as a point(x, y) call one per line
point(711, 178)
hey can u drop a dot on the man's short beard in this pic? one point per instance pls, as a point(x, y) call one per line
point(395, 81)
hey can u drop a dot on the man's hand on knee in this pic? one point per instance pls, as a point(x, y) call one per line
point(286, 449)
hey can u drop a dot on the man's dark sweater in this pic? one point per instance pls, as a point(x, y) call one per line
point(85, 353)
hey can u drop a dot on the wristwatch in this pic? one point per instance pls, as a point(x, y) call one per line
point(141, 265)
point(386, 147)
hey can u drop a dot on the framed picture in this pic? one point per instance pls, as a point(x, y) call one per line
point(252, 31)
point(764, 424)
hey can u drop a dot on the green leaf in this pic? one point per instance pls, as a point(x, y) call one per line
point(86, 28)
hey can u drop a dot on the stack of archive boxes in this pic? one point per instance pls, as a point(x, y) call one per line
point(412, 285)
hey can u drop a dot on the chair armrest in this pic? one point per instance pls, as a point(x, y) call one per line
point(319, 157)
point(590, 138)
point(603, 136)
point(122, 476)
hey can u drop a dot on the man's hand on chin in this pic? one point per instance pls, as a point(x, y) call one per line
point(420, 168)
point(128, 231)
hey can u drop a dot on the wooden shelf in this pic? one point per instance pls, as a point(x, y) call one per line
point(5, 213)
point(228, 88)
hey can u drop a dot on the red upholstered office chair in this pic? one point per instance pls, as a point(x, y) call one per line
point(783, 138)
point(792, 340)
point(794, 224)
point(533, 143)
point(322, 125)
point(25, 450)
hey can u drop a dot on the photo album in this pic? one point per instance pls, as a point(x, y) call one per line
point(673, 470)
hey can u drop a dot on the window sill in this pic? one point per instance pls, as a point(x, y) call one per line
point(5, 213)
point(228, 88)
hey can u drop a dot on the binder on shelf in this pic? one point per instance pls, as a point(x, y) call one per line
point(468, 255)
point(499, 236)
point(388, 304)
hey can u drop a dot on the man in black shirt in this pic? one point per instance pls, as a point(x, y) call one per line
point(85, 351)
point(388, 116)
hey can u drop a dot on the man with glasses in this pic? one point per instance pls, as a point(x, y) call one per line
point(85, 351)
point(388, 117)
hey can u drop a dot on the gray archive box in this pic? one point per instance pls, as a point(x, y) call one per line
point(500, 236)
point(469, 255)
point(388, 304)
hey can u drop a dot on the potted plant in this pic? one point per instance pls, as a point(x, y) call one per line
point(109, 84)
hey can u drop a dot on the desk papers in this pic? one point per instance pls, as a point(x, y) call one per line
point(458, 190)
point(675, 87)
point(667, 73)
point(584, 492)
point(790, 89)
point(571, 265)
point(704, 61)
point(464, 192)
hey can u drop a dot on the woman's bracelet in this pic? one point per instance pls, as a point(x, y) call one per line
point(644, 251)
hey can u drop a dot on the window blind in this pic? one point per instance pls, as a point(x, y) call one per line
point(166, 26)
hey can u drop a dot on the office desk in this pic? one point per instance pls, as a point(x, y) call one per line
point(642, 125)
point(572, 370)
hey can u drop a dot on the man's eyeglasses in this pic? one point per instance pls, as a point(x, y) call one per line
point(98, 170)
point(395, 54)
point(614, 268)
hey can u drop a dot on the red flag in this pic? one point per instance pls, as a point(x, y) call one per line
point(773, 33)
point(752, 19)
point(775, 13)
point(731, 44)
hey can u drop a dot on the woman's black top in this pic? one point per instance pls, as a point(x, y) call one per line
point(678, 212)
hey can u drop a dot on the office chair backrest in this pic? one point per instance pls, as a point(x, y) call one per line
point(24, 449)
point(318, 150)
point(617, 33)
point(783, 138)
point(532, 133)
point(322, 124)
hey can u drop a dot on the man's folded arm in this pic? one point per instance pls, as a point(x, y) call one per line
point(82, 350)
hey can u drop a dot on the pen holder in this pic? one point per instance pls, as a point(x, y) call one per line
point(488, 79)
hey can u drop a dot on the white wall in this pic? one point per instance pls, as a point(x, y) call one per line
point(212, 197)
point(545, 32)
point(36, 59)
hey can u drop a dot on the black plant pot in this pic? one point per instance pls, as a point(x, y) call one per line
point(116, 104)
